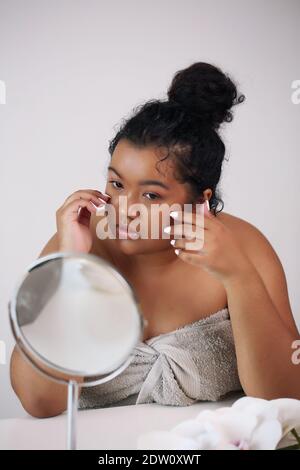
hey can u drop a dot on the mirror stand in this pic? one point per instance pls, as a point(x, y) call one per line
point(73, 389)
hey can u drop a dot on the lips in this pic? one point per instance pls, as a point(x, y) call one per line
point(123, 230)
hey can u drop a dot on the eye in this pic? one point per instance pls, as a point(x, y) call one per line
point(156, 196)
point(117, 182)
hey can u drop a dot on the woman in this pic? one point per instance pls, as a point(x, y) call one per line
point(224, 308)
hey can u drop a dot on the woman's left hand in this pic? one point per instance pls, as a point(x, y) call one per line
point(208, 243)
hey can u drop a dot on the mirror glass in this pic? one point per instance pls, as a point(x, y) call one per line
point(77, 314)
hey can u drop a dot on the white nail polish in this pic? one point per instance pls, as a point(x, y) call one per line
point(167, 229)
point(173, 242)
point(177, 251)
point(174, 214)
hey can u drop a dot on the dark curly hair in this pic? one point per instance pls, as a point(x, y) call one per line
point(199, 101)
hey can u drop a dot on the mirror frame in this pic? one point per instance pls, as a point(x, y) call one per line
point(24, 345)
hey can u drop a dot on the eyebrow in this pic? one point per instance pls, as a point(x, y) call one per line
point(143, 182)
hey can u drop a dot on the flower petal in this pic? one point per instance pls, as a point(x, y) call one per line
point(263, 409)
point(236, 426)
point(267, 435)
point(203, 432)
point(289, 413)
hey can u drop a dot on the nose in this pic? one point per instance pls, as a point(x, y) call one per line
point(126, 209)
point(132, 211)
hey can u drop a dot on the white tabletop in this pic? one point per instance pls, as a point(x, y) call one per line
point(116, 427)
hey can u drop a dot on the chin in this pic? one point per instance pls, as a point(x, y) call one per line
point(139, 246)
point(130, 247)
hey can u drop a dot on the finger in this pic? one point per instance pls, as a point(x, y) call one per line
point(192, 258)
point(72, 210)
point(185, 231)
point(89, 194)
point(84, 195)
point(195, 217)
point(192, 245)
point(104, 196)
point(95, 192)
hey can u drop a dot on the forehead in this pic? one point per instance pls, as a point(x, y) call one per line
point(142, 162)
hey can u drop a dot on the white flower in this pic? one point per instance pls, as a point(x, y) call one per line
point(250, 423)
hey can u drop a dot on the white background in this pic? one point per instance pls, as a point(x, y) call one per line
point(74, 69)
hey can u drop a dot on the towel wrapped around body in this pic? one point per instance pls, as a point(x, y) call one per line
point(196, 362)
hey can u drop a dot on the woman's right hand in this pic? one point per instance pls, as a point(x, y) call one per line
point(73, 223)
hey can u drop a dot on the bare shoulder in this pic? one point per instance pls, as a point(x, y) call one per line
point(247, 234)
point(266, 261)
point(255, 244)
point(234, 222)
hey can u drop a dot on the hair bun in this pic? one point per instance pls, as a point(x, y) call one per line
point(205, 91)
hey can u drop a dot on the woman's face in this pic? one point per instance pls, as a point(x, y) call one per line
point(132, 174)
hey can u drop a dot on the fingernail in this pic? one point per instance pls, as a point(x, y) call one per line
point(177, 251)
point(174, 214)
point(167, 229)
point(101, 208)
point(173, 242)
point(104, 194)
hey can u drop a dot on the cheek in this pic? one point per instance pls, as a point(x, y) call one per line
point(158, 222)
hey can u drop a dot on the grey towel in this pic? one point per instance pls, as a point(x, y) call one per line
point(192, 363)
